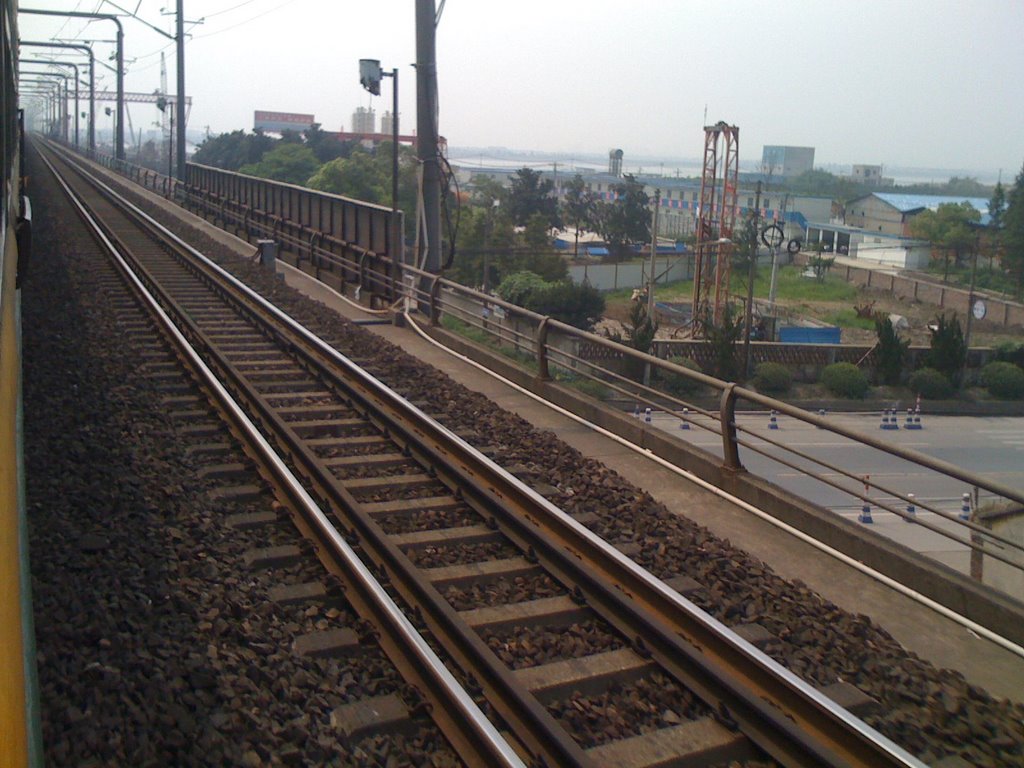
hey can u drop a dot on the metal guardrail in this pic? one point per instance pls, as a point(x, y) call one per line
point(335, 239)
point(552, 348)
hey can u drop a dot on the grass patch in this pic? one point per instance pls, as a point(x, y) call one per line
point(847, 318)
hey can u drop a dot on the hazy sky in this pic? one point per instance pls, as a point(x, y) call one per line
point(927, 83)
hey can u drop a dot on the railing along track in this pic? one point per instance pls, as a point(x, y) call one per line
point(782, 715)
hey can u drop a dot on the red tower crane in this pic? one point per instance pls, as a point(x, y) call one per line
point(716, 219)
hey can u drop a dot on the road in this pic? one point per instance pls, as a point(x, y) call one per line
point(990, 446)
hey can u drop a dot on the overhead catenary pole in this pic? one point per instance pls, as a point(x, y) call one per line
point(654, 252)
point(427, 130)
point(180, 101)
point(61, 64)
point(92, 79)
point(119, 133)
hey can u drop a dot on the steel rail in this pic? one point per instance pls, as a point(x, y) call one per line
point(782, 714)
point(467, 726)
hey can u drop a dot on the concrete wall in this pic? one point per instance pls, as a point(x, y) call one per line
point(1000, 312)
point(609, 277)
point(1000, 575)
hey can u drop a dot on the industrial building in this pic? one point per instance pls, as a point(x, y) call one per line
point(785, 161)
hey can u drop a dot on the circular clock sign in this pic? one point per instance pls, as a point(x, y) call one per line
point(979, 309)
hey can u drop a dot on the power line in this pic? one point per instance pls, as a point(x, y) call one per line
point(242, 23)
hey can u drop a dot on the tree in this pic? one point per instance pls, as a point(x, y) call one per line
point(627, 219)
point(287, 162)
point(996, 212)
point(530, 194)
point(231, 151)
point(327, 146)
point(1012, 235)
point(578, 305)
point(578, 208)
point(890, 352)
point(948, 350)
point(948, 228)
point(724, 340)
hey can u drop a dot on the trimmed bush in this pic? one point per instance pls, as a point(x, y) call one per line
point(930, 384)
point(773, 377)
point(1003, 380)
point(845, 380)
point(676, 385)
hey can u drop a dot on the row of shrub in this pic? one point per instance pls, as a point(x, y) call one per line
point(1002, 380)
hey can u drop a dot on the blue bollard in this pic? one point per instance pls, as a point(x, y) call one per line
point(636, 411)
point(965, 507)
point(888, 423)
point(685, 422)
point(773, 422)
point(865, 514)
point(647, 415)
point(911, 507)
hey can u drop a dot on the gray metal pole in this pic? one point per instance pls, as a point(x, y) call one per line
point(119, 140)
point(92, 79)
point(751, 274)
point(427, 129)
point(77, 76)
point(180, 35)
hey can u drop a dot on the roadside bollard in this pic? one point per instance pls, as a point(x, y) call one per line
point(865, 514)
point(773, 422)
point(914, 419)
point(647, 415)
point(685, 422)
point(821, 413)
point(865, 510)
point(887, 422)
point(636, 411)
point(911, 507)
point(965, 507)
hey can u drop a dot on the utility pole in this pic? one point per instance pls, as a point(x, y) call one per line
point(180, 101)
point(751, 274)
point(654, 253)
point(427, 131)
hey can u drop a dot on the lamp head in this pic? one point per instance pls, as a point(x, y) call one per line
point(370, 75)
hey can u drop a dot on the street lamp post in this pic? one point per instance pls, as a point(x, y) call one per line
point(370, 75)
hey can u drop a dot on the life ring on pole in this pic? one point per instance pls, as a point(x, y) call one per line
point(793, 246)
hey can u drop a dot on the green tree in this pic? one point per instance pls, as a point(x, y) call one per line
point(627, 219)
point(287, 162)
point(948, 228)
point(724, 343)
point(530, 194)
point(890, 352)
point(948, 350)
point(538, 254)
point(996, 212)
point(486, 191)
point(231, 151)
point(327, 146)
point(578, 305)
point(1012, 235)
point(578, 208)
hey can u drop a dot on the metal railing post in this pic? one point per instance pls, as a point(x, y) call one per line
point(543, 372)
point(727, 417)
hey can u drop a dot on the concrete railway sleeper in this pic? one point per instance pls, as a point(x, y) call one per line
point(326, 414)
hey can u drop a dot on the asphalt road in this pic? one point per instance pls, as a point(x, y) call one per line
point(990, 446)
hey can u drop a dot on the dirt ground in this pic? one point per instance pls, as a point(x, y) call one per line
point(918, 315)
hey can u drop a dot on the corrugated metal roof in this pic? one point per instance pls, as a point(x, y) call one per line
point(907, 203)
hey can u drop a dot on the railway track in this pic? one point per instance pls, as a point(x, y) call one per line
point(491, 568)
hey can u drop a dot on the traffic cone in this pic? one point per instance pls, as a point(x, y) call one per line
point(965, 507)
point(773, 422)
